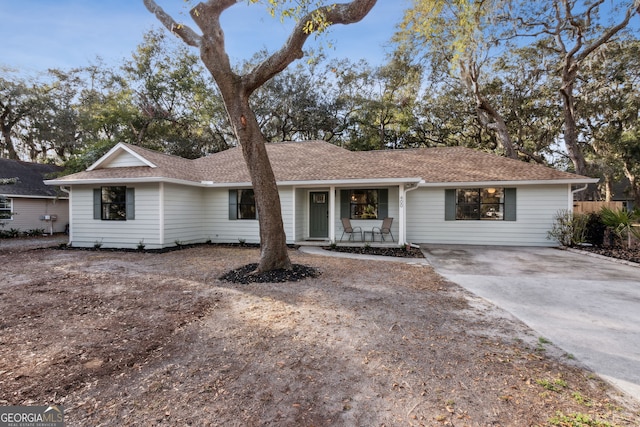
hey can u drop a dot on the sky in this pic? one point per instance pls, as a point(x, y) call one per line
point(41, 34)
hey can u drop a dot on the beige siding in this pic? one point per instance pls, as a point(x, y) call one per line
point(28, 211)
point(124, 160)
point(536, 208)
point(220, 229)
point(286, 205)
point(184, 218)
point(86, 231)
point(302, 214)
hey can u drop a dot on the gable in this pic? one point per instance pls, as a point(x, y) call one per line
point(121, 156)
point(122, 159)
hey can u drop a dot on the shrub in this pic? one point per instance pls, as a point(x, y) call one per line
point(10, 233)
point(568, 229)
point(35, 232)
point(595, 229)
point(621, 222)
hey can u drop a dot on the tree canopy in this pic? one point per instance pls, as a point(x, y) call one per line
point(460, 73)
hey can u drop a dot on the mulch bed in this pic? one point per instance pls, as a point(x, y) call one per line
point(246, 275)
point(403, 252)
point(618, 252)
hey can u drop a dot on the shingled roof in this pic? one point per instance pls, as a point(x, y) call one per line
point(26, 179)
point(315, 161)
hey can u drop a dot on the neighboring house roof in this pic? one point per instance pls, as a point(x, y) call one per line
point(319, 161)
point(24, 179)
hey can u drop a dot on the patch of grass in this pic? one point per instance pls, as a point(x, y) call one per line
point(578, 397)
point(577, 420)
point(543, 340)
point(556, 385)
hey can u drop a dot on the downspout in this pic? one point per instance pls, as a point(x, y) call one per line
point(573, 193)
point(68, 191)
point(403, 222)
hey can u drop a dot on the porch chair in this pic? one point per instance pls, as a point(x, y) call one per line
point(347, 228)
point(385, 228)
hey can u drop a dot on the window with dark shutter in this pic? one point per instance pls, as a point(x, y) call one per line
point(115, 203)
point(491, 204)
point(242, 204)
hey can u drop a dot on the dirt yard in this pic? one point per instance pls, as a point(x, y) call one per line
point(138, 339)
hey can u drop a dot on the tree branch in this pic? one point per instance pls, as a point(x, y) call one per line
point(346, 13)
point(608, 34)
point(189, 36)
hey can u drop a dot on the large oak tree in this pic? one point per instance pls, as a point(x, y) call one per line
point(236, 90)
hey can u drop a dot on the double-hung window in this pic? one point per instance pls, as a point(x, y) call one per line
point(490, 204)
point(116, 203)
point(6, 208)
point(242, 204)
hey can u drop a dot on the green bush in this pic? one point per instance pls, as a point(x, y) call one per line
point(595, 229)
point(35, 232)
point(621, 222)
point(568, 229)
point(10, 233)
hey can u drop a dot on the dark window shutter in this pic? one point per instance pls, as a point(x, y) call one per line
point(131, 203)
point(345, 211)
point(233, 204)
point(509, 204)
point(383, 203)
point(97, 203)
point(450, 205)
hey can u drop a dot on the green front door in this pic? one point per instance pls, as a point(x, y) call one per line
point(319, 215)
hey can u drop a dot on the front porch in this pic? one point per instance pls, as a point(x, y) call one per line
point(317, 218)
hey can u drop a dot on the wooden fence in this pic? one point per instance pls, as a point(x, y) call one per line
point(589, 207)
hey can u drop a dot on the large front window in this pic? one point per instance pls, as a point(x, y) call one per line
point(480, 203)
point(363, 204)
point(5, 208)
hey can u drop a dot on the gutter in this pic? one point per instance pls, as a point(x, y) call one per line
point(211, 184)
point(578, 190)
point(514, 183)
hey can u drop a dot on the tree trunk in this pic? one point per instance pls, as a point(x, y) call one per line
point(489, 117)
point(235, 92)
point(608, 187)
point(577, 27)
point(634, 184)
point(274, 253)
point(570, 128)
point(492, 120)
point(8, 145)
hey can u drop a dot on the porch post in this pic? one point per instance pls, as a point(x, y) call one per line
point(402, 214)
point(332, 214)
point(294, 235)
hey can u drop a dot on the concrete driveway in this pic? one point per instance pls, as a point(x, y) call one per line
point(589, 307)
